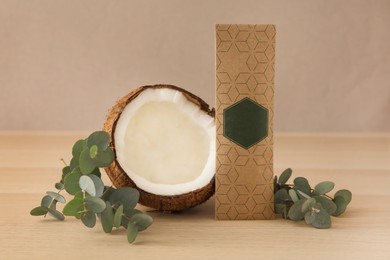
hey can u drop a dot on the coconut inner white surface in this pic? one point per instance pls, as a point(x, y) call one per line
point(165, 143)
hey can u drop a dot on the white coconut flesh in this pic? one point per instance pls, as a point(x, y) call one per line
point(165, 143)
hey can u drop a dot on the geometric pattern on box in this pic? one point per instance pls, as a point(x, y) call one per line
point(245, 123)
point(245, 68)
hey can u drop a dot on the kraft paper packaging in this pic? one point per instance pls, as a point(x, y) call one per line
point(245, 66)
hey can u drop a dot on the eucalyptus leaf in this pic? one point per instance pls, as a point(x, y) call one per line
point(308, 204)
point(107, 218)
point(89, 219)
point(74, 207)
point(59, 186)
point(302, 184)
point(87, 185)
point(309, 217)
point(99, 138)
point(93, 151)
point(129, 213)
point(126, 196)
point(99, 185)
point(323, 187)
point(295, 212)
point(46, 201)
point(285, 176)
point(95, 204)
point(118, 216)
point(322, 219)
point(303, 195)
point(55, 213)
point(142, 221)
point(87, 164)
point(72, 182)
point(56, 196)
point(341, 205)
point(39, 211)
point(346, 194)
point(281, 196)
point(326, 204)
point(293, 195)
point(78, 147)
point(104, 158)
point(132, 231)
point(74, 163)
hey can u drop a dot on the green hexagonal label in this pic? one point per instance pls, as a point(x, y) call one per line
point(245, 123)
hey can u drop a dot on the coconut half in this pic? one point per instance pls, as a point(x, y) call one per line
point(164, 141)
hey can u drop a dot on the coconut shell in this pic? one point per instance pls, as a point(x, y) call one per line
point(119, 177)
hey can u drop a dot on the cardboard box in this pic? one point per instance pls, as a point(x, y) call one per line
point(245, 65)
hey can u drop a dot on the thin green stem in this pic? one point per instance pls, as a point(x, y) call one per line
point(62, 160)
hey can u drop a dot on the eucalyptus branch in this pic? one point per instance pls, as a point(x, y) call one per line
point(299, 201)
point(92, 200)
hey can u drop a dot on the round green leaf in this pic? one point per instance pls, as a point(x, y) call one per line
point(39, 211)
point(95, 204)
point(341, 205)
point(142, 221)
point(99, 138)
point(302, 184)
point(129, 213)
point(309, 217)
point(93, 151)
point(87, 164)
point(104, 158)
point(326, 204)
point(46, 201)
point(308, 204)
point(107, 218)
point(118, 216)
point(72, 182)
point(322, 219)
point(56, 196)
point(126, 196)
point(303, 195)
point(293, 195)
point(74, 207)
point(87, 185)
point(59, 186)
point(295, 212)
point(99, 185)
point(281, 196)
point(132, 231)
point(55, 213)
point(346, 194)
point(74, 163)
point(285, 176)
point(78, 147)
point(89, 219)
point(323, 187)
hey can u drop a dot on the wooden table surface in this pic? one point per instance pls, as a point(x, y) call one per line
point(30, 165)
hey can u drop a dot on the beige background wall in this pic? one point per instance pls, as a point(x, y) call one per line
point(64, 63)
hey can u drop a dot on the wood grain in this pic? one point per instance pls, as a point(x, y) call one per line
point(30, 165)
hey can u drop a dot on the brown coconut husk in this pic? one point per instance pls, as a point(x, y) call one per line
point(119, 177)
